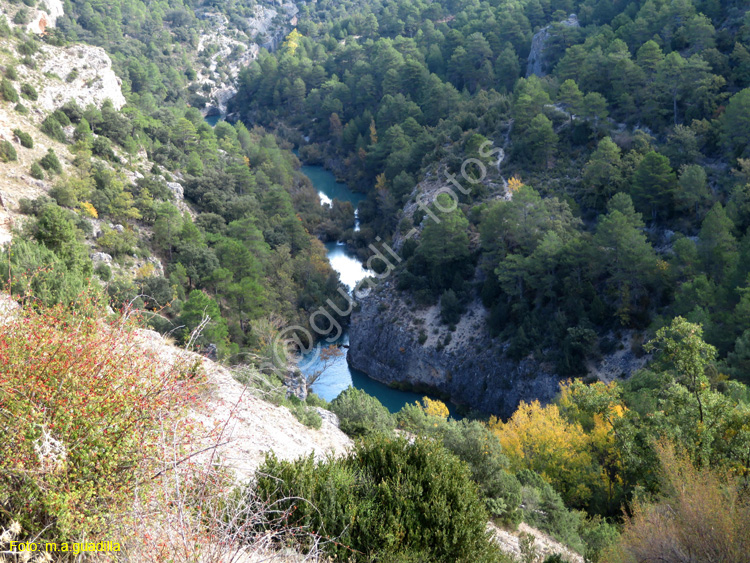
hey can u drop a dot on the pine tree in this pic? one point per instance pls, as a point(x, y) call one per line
point(654, 183)
point(716, 244)
point(692, 191)
point(602, 175)
point(735, 124)
point(541, 140)
point(570, 97)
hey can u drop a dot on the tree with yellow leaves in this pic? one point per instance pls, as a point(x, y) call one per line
point(598, 408)
point(540, 439)
point(291, 43)
point(381, 183)
point(514, 184)
point(89, 210)
point(433, 407)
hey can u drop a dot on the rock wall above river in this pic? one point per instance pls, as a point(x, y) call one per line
point(469, 366)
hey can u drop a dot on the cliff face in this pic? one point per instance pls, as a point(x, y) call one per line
point(535, 64)
point(229, 48)
point(384, 340)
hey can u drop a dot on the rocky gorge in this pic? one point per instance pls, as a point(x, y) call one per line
point(394, 343)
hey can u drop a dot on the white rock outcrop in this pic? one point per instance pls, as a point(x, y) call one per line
point(87, 78)
point(244, 426)
point(45, 16)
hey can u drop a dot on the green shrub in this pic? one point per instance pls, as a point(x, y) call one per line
point(598, 535)
point(116, 243)
point(544, 508)
point(33, 207)
point(37, 171)
point(4, 27)
point(450, 307)
point(50, 162)
point(361, 414)
point(103, 271)
point(55, 228)
point(11, 73)
point(21, 109)
point(389, 500)
point(29, 92)
point(269, 387)
point(28, 48)
point(64, 195)
point(37, 270)
point(61, 117)
point(72, 75)
point(315, 400)
point(476, 445)
point(72, 110)
point(306, 415)
point(7, 152)
point(51, 127)
point(21, 17)
point(24, 138)
point(7, 91)
point(103, 148)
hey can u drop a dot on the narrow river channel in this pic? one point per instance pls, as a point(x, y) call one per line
point(338, 376)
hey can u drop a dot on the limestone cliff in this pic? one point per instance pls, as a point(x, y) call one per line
point(81, 73)
point(225, 48)
point(536, 63)
point(467, 365)
point(87, 77)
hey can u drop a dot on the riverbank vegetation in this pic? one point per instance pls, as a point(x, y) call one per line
point(244, 255)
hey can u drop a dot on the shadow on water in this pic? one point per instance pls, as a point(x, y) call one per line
point(339, 375)
point(212, 120)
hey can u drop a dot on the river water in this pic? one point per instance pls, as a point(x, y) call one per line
point(338, 375)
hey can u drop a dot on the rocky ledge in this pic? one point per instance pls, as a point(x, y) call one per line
point(397, 344)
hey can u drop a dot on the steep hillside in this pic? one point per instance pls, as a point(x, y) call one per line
point(242, 423)
point(52, 76)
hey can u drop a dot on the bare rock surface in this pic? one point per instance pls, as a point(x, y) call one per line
point(466, 364)
point(509, 542)
point(94, 81)
point(536, 61)
point(244, 425)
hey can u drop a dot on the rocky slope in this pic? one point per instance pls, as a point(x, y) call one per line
point(225, 47)
point(241, 425)
point(536, 63)
point(82, 73)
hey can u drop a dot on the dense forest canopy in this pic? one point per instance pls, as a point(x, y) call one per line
point(630, 148)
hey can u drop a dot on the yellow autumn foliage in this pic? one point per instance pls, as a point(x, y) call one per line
point(433, 407)
point(145, 271)
point(89, 209)
point(537, 437)
point(291, 43)
point(514, 184)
